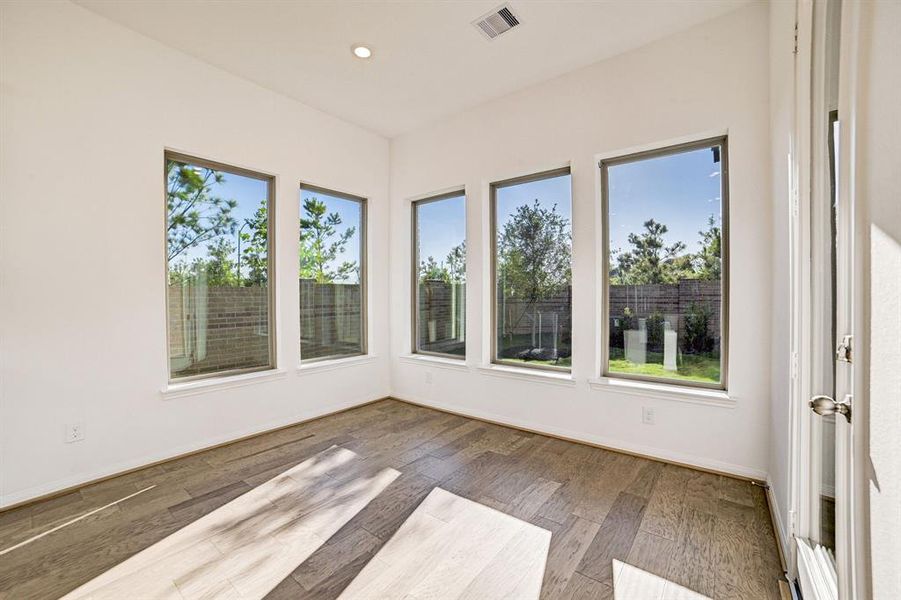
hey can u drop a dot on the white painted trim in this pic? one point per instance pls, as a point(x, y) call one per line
point(662, 391)
point(440, 362)
point(613, 444)
point(143, 461)
point(783, 535)
point(215, 384)
point(334, 363)
point(527, 374)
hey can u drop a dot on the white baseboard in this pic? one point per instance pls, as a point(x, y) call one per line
point(614, 444)
point(80, 479)
point(782, 534)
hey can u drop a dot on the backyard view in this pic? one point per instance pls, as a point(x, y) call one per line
point(440, 231)
point(665, 266)
point(218, 269)
point(533, 271)
point(330, 259)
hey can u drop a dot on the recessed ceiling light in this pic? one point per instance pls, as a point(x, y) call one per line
point(362, 51)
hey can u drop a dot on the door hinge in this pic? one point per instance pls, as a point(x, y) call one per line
point(792, 522)
point(795, 47)
point(843, 351)
point(794, 373)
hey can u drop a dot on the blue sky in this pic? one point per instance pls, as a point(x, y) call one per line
point(680, 190)
point(442, 226)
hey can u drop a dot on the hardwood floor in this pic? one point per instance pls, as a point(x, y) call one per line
point(709, 534)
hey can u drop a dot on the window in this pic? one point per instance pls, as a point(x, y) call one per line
point(219, 292)
point(665, 264)
point(332, 261)
point(531, 268)
point(439, 275)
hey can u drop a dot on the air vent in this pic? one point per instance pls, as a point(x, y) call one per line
point(498, 21)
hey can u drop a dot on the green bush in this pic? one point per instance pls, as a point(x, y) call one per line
point(654, 325)
point(697, 323)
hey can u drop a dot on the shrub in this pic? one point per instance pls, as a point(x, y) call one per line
point(697, 324)
point(654, 325)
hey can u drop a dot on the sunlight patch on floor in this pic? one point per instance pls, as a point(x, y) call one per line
point(451, 547)
point(632, 583)
point(246, 547)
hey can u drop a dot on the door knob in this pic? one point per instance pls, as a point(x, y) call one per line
point(825, 405)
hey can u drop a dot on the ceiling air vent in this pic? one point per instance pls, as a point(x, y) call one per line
point(498, 21)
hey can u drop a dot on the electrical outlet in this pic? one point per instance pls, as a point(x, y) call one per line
point(74, 432)
point(647, 415)
point(428, 377)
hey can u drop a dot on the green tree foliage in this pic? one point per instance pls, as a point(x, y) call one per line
point(321, 244)
point(650, 260)
point(432, 270)
point(534, 253)
point(195, 215)
point(710, 258)
point(218, 269)
point(456, 263)
point(254, 254)
point(451, 270)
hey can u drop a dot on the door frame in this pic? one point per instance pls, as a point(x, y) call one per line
point(808, 174)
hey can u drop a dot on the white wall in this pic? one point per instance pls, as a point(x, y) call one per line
point(877, 395)
point(87, 108)
point(707, 80)
point(782, 23)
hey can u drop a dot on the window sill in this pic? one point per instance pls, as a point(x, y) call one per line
point(434, 361)
point(331, 364)
point(663, 391)
point(526, 374)
point(203, 386)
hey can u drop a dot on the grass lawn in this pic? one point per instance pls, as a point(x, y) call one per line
point(692, 367)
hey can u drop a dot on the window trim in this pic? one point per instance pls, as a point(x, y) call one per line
point(271, 254)
point(604, 164)
point(492, 245)
point(414, 273)
point(364, 273)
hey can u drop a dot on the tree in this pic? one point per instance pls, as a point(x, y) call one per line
point(710, 258)
point(321, 244)
point(255, 253)
point(456, 263)
point(195, 215)
point(218, 269)
point(535, 250)
point(431, 270)
point(650, 260)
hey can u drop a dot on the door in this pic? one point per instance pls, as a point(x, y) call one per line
point(824, 541)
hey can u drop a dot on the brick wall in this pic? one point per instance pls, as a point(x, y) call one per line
point(232, 333)
point(442, 315)
point(330, 319)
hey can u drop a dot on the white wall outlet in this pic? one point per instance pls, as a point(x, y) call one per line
point(647, 415)
point(428, 377)
point(74, 432)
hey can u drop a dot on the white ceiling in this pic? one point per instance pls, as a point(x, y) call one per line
point(428, 60)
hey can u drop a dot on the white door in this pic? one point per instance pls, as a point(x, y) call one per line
point(825, 541)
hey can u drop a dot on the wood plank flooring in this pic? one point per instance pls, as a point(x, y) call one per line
point(709, 534)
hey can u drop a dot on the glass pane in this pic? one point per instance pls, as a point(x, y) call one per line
point(665, 265)
point(331, 275)
point(440, 247)
point(533, 315)
point(218, 264)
